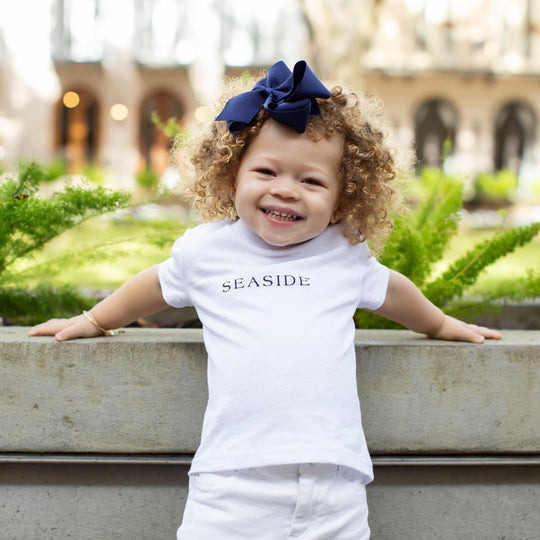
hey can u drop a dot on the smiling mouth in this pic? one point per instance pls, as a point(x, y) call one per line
point(282, 216)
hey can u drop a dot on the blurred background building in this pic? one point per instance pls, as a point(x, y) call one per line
point(80, 79)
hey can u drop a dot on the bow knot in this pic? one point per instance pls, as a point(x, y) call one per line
point(288, 97)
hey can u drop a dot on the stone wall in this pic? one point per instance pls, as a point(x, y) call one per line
point(96, 436)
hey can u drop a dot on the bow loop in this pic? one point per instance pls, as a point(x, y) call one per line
point(288, 97)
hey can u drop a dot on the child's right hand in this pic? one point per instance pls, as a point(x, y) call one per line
point(138, 297)
point(63, 329)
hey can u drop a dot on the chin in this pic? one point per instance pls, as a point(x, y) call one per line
point(284, 242)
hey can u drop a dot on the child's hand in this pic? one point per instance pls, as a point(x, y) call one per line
point(455, 330)
point(63, 329)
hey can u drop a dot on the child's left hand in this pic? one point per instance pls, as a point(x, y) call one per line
point(455, 330)
point(406, 305)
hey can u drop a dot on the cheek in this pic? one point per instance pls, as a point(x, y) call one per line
point(241, 200)
point(246, 191)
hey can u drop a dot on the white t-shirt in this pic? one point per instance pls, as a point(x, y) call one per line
point(279, 333)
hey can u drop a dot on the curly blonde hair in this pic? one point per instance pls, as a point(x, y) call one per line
point(367, 167)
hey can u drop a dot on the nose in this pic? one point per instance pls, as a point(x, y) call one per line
point(285, 188)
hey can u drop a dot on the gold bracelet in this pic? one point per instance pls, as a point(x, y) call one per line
point(90, 317)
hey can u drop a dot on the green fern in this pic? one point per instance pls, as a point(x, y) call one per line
point(464, 272)
point(419, 240)
point(27, 222)
point(505, 291)
point(29, 272)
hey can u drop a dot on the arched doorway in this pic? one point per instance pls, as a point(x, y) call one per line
point(435, 123)
point(515, 128)
point(77, 128)
point(154, 144)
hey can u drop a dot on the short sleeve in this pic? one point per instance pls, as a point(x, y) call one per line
point(375, 277)
point(172, 276)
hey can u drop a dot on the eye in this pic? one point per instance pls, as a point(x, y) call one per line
point(313, 182)
point(266, 172)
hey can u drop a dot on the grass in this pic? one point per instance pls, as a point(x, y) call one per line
point(131, 246)
point(138, 244)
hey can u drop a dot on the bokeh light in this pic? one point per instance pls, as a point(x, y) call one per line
point(119, 112)
point(71, 99)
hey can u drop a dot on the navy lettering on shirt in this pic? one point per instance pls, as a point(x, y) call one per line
point(268, 280)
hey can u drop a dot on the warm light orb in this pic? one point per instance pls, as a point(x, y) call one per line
point(119, 112)
point(71, 99)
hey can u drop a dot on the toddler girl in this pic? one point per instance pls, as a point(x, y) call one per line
point(292, 179)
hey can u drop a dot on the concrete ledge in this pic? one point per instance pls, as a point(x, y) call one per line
point(96, 436)
point(144, 391)
point(142, 502)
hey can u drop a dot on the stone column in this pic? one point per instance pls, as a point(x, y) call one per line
point(122, 86)
point(29, 82)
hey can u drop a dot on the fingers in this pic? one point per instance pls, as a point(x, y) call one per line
point(465, 332)
point(64, 329)
point(474, 337)
point(48, 328)
point(488, 333)
point(77, 330)
point(456, 330)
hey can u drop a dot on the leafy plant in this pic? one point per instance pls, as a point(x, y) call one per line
point(27, 223)
point(94, 173)
point(171, 128)
point(147, 179)
point(27, 306)
point(419, 240)
point(496, 187)
point(54, 169)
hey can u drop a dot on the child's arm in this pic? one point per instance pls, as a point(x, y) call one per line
point(406, 305)
point(139, 296)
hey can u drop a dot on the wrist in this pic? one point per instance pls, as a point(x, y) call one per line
point(96, 325)
point(440, 324)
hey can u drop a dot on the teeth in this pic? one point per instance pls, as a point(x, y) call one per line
point(282, 215)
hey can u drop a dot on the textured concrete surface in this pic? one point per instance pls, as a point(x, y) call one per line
point(96, 502)
point(145, 391)
point(58, 502)
point(425, 396)
point(85, 424)
point(137, 392)
point(455, 503)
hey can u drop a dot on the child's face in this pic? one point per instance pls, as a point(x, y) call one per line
point(287, 186)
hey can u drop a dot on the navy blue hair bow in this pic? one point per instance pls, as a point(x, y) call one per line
point(288, 97)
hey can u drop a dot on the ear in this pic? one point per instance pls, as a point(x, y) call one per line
point(336, 214)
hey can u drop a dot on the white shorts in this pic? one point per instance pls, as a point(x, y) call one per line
point(307, 501)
